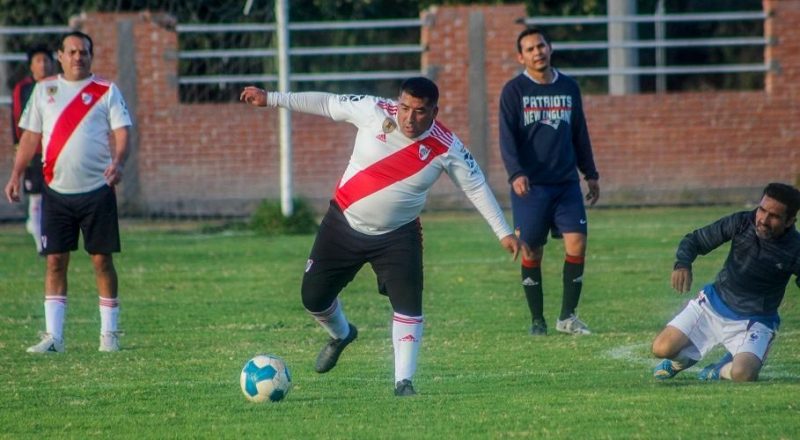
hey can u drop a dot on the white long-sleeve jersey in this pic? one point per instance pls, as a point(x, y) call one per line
point(389, 175)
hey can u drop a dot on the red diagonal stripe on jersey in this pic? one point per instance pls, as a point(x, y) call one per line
point(67, 122)
point(390, 169)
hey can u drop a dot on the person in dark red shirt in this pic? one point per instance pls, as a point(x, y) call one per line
point(40, 63)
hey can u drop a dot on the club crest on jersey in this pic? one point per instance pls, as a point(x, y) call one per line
point(86, 98)
point(424, 152)
point(52, 90)
point(389, 125)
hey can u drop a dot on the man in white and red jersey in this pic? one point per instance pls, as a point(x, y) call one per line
point(72, 115)
point(400, 150)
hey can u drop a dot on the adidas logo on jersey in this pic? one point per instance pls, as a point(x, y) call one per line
point(529, 282)
point(381, 137)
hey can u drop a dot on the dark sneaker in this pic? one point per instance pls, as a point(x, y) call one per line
point(404, 388)
point(330, 353)
point(539, 328)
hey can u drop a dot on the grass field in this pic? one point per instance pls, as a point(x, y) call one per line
point(196, 306)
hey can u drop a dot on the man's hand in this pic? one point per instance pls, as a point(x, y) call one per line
point(12, 189)
point(254, 95)
point(514, 245)
point(594, 191)
point(682, 280)
point(113, 174)
point(521, 185)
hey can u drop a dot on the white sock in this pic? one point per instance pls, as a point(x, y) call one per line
point(406, 338)
point(725, 371)
point(109, 315)
point(686, 358)
point(35, 219)
point(333, 320)
point(55, 309)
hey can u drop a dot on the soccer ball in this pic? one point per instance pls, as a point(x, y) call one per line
point(265, 378)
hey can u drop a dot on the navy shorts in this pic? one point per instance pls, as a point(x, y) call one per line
point(94, 214)
point(558, 208)
point(339, 252)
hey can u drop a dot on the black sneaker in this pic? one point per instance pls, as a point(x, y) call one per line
point(329, 354)
point(404, 388)
point(539, 328)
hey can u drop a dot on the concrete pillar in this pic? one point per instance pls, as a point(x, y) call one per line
point(621, 58)
point(476, 73)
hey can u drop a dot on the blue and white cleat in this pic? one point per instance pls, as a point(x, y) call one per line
point(665, 370)
point(711, 372)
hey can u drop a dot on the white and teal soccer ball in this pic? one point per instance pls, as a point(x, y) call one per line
point(265, 378)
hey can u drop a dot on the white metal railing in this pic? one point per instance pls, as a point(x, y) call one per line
point(659, 44)
point(28, 30)
point(301, 51)
point(652, 18)
point(419, 49)
point(16, 57)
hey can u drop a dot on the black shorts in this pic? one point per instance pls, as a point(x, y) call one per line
point(339, 252)
point(34, 177)
point(93, 213)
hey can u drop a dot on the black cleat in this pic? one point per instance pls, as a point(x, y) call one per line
point(539, 328)
point(330, 353)
point(404, 388)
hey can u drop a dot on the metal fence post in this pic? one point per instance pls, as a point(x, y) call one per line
point(284, 115)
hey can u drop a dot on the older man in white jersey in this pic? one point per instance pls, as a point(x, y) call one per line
point(72, 115)
point(400, 150)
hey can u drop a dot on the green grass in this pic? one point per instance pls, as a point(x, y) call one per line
point(196, 306)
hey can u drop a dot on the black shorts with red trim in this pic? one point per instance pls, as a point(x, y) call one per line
point(94, 214)
point(339, 252)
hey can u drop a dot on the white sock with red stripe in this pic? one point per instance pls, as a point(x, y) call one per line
point(109, 315)
point(35, 219)
point(406, 338)
point(55, 309)
point(333, 320)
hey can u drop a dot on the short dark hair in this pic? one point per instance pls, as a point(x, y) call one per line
point(786, 194)
point(40, 49)
point(78, 34)
point(531, 30)
point(421, 87)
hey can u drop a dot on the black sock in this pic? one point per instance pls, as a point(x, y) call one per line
point(532, 284)
point(573, 282)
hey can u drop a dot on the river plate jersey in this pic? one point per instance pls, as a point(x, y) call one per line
point(75, 119)
point(388, 177)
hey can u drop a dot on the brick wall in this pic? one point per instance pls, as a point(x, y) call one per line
point(650, 149)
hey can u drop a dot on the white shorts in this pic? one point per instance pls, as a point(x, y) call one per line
point(706, 329)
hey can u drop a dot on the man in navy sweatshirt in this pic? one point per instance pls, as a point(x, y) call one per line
point(544, 141)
